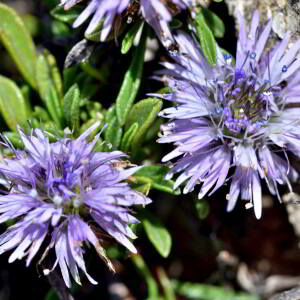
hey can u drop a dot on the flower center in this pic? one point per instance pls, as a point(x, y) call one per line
point(247, 103)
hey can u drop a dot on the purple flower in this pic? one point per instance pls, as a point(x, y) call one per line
point(234, 122)
point(155, 12)
point(55, 189)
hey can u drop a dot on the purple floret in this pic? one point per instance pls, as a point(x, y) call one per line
point(55, 189)
point(155, 12)
point(237, 119)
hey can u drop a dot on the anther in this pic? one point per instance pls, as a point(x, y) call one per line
point(284, 68)
point(252, 55)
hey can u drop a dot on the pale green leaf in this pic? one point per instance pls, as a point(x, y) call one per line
point(131, 83)
point(72, 107)
point(144, 113)
point(207, 40)
point(158, 235)
point(18, 42)
point(129, 37)
point(12, 103)
point(128, 137)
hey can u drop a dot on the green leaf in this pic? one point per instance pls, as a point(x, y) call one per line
point(111, 113)
point(129, 37)
point(67, 16)
point(33, 24)
point(202, 208)
point(144, 270)
point(207, 40)
point(131, 83)
point(166, 284)
point(95, 35)
point(12, 103)
point(25, 90)
point(60, 29)
point(71, 107)
point(214, 22)
point(199, 291)
point(156, 176)
point(51, 295)
point(18, 42)
point(158, 235)
point(113, 132)
point(144, 188)
point(54, 72)
point(50, 86)
point(152, 132)
point(15, 139)
point(144, 113)
point(128, 137)
point(41, 114)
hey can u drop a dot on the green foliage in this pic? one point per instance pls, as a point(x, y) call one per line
point(113, 132)
point(145, 272)
point(50, 86)
point(131, 83)
point(144, 114)
point(60, 29)
point(129, 37)
point(206, 37)
point(67, 16)
point(155, 176)
point(18, 42)
point(32, 24)
point(202, 208)
point(158, 235)
point(72, 107)
point(15, 139)
point(199, 291)
point(95, 35)
point(128, 137)
point(215, 24)
point(13, 106)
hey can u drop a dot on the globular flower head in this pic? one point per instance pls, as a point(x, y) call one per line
point(58, 190)
point(234, 118)
point(155, 12)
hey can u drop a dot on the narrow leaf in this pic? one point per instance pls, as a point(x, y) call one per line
point(41, 114)
point(214, 22)
point(129, 37)
point(207, 40)
point(113, 133)
point(144, 113)
point(67, 16)
point(151, 282)
point(15, 139)
point(48, 89)
point(131, 83)
point(12, 103)
point(71, 107)
point(158, 235)
point(128, 137)
point(18, 42)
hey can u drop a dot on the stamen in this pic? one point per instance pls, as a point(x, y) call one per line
point(284, 69)
point(252, 55)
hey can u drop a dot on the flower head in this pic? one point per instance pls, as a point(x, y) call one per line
point(237, 119)
point(55, 189)
point(155, 12)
